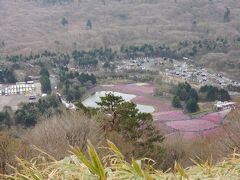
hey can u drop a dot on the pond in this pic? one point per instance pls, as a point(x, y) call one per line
point(91, 101)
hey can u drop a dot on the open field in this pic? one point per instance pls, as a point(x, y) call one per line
point(170, 120)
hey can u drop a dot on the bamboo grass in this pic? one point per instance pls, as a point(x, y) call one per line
point(114, 166)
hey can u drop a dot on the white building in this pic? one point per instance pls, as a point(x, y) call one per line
point(220, 106)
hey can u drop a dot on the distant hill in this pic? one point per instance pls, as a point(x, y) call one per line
point(63, 25)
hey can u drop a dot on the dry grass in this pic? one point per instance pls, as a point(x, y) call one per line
point(114, 166)
point(223, 62)
point(56, 134)
point(30, 26)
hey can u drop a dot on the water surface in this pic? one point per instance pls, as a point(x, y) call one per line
point(93, 99)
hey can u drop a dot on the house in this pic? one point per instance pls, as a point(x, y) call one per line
point(220, 106)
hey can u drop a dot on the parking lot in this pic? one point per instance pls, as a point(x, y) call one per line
point(184, 70)
point(13, 100)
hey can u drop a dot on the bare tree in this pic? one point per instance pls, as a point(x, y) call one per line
point(10, 147)
point(231, 141)
point(55, 135)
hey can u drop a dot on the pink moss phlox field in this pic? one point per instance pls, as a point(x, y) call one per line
point(203, 123)
point(208, 125)
point(170, 116)
point(214, 118)
point(193, 135)
point(173, 121)
point(134, 88)
point(195, 125)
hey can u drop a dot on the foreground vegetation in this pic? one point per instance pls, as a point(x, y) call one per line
point(55, 135)
point(114, 166)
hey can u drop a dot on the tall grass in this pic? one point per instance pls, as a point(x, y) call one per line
point(114, 166)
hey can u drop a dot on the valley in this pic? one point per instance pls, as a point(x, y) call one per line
point(119, 89)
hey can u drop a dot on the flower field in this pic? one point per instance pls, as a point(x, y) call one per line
point(136, 89)
point(193, 125)
point(160, 106)
point(168, 119)
point(176, 115)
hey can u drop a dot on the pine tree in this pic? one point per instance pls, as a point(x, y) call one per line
point(176, 102)
point(89, 24)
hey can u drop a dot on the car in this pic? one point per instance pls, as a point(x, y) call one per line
point(32, 97)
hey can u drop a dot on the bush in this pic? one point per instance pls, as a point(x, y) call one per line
point(70, 128)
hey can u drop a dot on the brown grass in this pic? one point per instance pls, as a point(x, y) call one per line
point(56, 134)
point(30, 26)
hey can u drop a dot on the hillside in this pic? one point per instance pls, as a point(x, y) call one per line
point(33, 25)
point(61, 25)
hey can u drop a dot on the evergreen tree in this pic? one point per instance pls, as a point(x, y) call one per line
point(227, 15)
point(45, 81)
point(212, 93)
point(7, 76)
point(64, 21)
point(45, 84)
point(176, 102)
point(110, 104)
point(89, 24)
point(192, 106)
point(44, 71)
point(223, 95)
